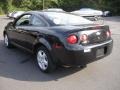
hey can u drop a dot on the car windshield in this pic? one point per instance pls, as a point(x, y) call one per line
point(66, 19)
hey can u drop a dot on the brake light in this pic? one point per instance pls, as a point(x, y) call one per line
point(57, 45)
point(108, 33)
point(72, 39)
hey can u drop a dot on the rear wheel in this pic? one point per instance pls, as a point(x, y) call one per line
point(7, 41)
point(44, 60)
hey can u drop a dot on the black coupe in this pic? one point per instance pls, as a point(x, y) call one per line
point(59, 38)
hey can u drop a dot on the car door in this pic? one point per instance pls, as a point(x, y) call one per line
point(27, 30)
point(17, 34)
point(32, 31)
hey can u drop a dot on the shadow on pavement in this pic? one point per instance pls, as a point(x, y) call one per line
point(20, 65)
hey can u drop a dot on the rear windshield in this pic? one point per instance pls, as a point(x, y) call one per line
point(66, 19)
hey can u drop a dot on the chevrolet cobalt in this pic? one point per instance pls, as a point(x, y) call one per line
point(59, 38)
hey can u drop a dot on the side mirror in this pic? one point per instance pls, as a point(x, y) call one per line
point(14, 18)
point(10, 24)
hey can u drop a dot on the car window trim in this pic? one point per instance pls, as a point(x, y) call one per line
point(40, 17)
point(20, 17)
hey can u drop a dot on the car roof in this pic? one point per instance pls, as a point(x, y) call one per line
point(42, 12)
point(53, 9)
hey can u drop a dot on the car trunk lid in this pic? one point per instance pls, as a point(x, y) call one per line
point(94, 35)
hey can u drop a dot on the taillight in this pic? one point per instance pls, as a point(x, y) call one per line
point(108, 33)
point(57, 45)
point(72, 39)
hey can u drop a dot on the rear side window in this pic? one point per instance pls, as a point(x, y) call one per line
point(24, 20)
point(38, 22)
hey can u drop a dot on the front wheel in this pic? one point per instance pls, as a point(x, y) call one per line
point(44, 60)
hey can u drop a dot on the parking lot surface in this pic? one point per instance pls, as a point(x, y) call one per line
point(18, 70)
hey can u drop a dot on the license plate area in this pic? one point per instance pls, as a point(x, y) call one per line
point(100, 52)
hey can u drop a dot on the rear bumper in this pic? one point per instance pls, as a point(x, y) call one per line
point(84, 56)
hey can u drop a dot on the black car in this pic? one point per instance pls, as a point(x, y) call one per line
point(59, 38)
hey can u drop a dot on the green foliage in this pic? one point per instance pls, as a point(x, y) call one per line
point(114, 6)
point(110, 5)
point(1, 11)
point(37, 4)
point(31, 4)
point(68, 5)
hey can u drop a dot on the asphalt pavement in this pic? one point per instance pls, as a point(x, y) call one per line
point(18, 70)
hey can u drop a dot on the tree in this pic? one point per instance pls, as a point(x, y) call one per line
point(31, 4)
point(67, 5)
point(38, 4)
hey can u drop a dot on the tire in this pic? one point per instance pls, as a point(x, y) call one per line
point(44, 60)
point(7, 41)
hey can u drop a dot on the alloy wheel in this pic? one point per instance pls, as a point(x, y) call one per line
point(42, 60)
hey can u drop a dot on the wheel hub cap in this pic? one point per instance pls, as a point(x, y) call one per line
point(42, 60)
